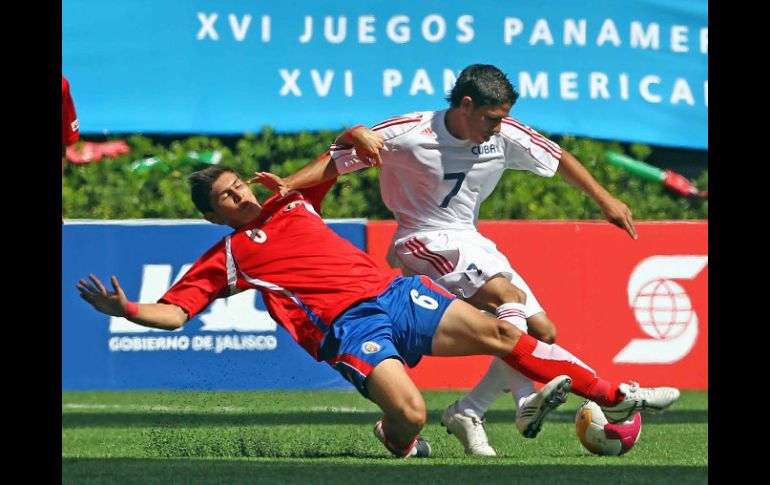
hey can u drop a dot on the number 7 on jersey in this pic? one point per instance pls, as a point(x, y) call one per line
point(459, 176)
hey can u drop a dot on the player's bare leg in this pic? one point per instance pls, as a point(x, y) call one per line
point(403, 406)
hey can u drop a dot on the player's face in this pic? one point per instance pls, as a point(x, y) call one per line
point(232, 201)
point(485, 121)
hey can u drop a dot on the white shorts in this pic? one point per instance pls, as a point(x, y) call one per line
point(461, 261)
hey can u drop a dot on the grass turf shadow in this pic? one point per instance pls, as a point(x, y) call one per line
point(370, 471)
point(170, 419)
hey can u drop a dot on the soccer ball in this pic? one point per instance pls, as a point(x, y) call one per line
point(601, 437)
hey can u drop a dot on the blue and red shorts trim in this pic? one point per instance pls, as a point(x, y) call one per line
point(399, 323)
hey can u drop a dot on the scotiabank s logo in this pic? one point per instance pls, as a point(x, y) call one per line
point(236, 313)
point(663, 309)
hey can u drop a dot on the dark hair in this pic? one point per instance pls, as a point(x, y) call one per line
point(200, 186)
point(485, 84)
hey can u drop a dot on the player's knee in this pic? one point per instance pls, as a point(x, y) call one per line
point(506, 336)
point(514, 295)
point(543, 332)
point(547, 336)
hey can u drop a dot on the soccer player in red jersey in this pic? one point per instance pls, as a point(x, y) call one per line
point(70, 129)
point(342, 309)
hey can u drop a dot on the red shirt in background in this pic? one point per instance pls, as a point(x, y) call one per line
point(70, 129)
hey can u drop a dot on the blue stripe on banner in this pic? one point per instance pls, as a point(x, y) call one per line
point(632, 71)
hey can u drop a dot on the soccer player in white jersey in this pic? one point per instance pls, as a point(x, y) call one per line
point(437, 167)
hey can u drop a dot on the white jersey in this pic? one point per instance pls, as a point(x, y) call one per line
point(431, 180)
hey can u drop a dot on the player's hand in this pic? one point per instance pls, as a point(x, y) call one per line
point(109, 302)
point(368, 144)
point(271, 181)
point(618, 213)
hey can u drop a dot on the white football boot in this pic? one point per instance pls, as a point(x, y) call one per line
point(530, 415)
point(650, 399)
point(469, 430)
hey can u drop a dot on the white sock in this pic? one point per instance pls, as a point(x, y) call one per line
point(521, 385)
point(493, 385)
point(499, 379)
point(514, 314)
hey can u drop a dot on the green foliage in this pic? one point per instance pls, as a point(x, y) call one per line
point(109, 189)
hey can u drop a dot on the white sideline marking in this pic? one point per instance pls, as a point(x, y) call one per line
point(223, 409)
point(340, 409)
point(560, 417)
point(144, 407)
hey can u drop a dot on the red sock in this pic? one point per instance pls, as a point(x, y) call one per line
point(542, 362)
point(397, 447)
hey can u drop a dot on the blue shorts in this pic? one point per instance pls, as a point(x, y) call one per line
point(399, 324)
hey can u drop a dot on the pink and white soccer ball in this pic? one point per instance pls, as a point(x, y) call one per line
point(601, 437)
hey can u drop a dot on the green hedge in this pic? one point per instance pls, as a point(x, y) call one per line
point(110, 190)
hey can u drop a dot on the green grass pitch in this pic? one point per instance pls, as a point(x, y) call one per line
point(326, 437)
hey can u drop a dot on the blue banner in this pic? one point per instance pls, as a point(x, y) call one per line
point(622, 70)
point(233, 344)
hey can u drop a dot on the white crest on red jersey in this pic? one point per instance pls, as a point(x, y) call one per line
point(291, 205)
point(257, 235)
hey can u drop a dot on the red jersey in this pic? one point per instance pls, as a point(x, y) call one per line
point(70, 129)
point(307, 274)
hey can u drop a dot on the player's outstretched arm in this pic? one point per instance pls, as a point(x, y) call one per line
point(318, 171)
point(155, 315)
point(613, 209)
point(367, 143)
